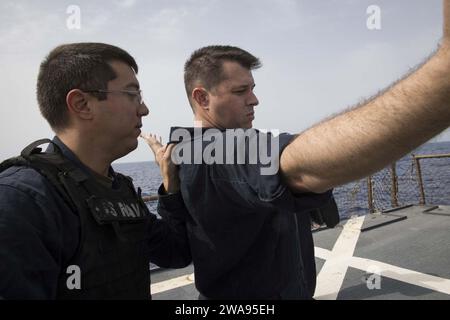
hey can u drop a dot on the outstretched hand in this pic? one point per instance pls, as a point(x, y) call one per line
point(163, 158)
point(155, 144)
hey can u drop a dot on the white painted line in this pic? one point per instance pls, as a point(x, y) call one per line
point(393, 272)
point(322, 253)
point(409, 276)
point(173, 283)
point(332, 274)
point(329, 280)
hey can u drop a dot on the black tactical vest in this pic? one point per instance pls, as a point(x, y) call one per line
point(112, 259)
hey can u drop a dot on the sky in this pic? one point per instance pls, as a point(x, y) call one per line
point(319, 57)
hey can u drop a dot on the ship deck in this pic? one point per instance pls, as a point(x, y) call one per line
point(398, 254)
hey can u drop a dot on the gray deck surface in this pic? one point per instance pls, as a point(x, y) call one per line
point(415, 238)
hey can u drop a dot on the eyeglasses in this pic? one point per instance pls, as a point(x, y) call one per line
point(131, 93)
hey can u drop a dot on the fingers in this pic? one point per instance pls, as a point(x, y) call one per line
point(151, 138)
point(145, 136)
point(161, 152)
point(152, 141)
point(155, 145)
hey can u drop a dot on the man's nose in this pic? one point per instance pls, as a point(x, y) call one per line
point(252, 99)
point(143, 110)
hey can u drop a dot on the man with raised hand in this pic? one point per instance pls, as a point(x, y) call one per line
point(250, 237)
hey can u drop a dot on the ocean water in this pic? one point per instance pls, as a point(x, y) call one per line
point(351, 198)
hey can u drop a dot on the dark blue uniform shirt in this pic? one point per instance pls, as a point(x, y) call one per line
point(250, 235)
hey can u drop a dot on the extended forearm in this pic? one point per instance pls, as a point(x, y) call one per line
point(366, 139)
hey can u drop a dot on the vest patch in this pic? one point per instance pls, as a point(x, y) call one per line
point(106, 211)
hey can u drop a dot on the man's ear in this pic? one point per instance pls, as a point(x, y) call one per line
point(77, 103)
point(201, 97)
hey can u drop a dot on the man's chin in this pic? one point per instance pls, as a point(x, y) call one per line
point(130, 146)
point(134, 145)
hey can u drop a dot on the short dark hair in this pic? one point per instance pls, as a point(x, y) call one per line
point(205, 66)
point(81, 66)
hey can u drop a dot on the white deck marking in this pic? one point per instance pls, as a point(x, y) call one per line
point(337, 262)
point(332, 274)
point(322, 253)
point(409, 276)
point(393, 272)
point(170, 284)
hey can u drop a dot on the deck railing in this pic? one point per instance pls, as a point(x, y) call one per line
point(394, 185)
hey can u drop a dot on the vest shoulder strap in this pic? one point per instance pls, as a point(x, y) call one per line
point(50, 165)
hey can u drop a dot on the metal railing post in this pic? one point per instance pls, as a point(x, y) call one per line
point(370, 194)
point(394, 190)
point(419, 179)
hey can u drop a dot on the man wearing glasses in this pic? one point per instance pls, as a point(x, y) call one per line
point(71, 227)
